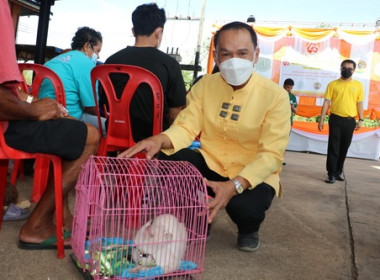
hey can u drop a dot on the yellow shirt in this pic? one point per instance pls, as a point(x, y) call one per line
point(244, 132)
point(344, 96)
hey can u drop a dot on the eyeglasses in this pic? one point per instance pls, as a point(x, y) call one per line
point(350, 69)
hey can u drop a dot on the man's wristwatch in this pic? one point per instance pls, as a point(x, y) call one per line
point(361, 120)
point(238, 186)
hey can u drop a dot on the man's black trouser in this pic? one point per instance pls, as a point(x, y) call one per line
point(340, 135)
point(246, 210)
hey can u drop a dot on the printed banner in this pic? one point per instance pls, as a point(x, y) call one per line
point(312, 58)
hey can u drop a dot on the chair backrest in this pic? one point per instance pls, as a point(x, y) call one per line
point(40, 73)
point(119, 132)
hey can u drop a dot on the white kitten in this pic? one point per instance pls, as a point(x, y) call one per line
point(161, 242)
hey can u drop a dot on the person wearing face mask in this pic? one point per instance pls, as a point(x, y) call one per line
point(345, 98)
point(244, 123)
point(148, 27)
point(74, 69)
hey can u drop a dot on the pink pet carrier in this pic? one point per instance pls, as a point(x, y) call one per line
point(139, 219)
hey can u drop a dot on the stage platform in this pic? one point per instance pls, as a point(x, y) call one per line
point(306, 138)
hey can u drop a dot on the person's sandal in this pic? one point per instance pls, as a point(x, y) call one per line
point(15, 213)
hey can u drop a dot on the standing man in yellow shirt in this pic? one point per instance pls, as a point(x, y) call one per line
point(244, 120)
point(345, 96)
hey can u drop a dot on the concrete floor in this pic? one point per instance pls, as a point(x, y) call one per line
point(316, 231)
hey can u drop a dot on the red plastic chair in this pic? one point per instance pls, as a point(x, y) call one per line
point(41, 172)
point(7, 153)
point(119, 132)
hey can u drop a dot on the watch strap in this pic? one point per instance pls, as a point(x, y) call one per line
point(238, 186)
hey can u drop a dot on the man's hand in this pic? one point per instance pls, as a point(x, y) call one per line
point(13, 108)
point(325, 107)
point(320, 124)
point(224, 191)
point(358, 125)
point(151, 146)
point(46, 109)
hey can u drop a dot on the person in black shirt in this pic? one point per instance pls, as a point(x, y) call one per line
point(148, 25)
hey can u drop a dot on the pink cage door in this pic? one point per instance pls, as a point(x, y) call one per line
point(168, 198)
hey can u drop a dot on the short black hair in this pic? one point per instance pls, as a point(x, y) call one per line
point(236, 25)
point(288, 82)
point(83, 35)
point(348, 61)
point(146, 18)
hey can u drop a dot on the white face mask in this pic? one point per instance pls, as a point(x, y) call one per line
point(94, 58)
point(236, 71)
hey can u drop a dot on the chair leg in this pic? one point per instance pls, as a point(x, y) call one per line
point(40, 178)
point(3, 183)
point(18, 170)
point(135, 196)
point(102, 149)
point(58, 206)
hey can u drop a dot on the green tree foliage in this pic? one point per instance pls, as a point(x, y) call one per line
point(203, 58)
point(188, 78)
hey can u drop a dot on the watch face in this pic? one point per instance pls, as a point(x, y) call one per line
point(238, 186)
